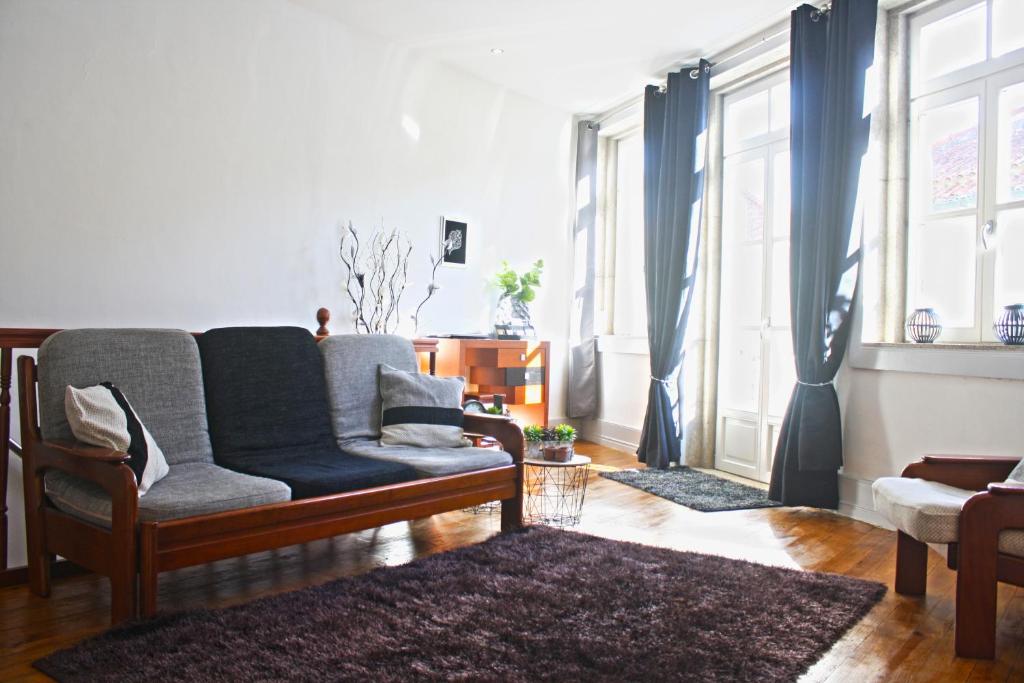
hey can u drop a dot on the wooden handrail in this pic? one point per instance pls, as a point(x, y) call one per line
point(32, 338)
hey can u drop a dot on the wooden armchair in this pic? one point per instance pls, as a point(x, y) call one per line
point(986, 546)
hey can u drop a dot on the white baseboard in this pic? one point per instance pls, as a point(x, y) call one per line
point(611, 434)
point(856, 501)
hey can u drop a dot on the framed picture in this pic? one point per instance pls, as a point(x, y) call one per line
point(453, 242)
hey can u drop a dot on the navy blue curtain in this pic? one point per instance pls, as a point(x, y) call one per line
point(830, 53)
point(675, 150)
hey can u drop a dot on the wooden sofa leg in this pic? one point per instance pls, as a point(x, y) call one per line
point(124, 564)
point(911, 565)
point(39, 560)
point(147, 571)
point(511, 514)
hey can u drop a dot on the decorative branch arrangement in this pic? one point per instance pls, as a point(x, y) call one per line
point(376, 278)
point(453, 242)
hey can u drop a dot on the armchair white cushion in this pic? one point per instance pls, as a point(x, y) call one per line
point(930, 512)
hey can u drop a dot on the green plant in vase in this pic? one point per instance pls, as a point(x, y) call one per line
point(517, 291)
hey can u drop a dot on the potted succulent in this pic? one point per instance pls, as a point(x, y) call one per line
point(558, 443)
point(534, 440)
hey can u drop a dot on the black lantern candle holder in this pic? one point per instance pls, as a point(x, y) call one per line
point(924, 326)
point(1009, 326)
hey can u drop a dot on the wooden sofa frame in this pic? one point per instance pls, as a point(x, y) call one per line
point(976, 557)
point(133, 554)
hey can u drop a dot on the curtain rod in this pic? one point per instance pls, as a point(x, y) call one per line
point(720, 62)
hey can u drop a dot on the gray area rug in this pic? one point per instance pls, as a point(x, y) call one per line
point(694, 489)
point(537, 605)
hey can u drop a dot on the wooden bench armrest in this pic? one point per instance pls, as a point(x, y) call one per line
point(81, 450)
point(105, 467)
point(500, 428)
point(970, 472)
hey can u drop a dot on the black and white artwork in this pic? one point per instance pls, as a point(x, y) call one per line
point(453, 242)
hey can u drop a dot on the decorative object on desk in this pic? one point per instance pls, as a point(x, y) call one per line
point(517, 291)
point(473, 406)
point(534, 435)
point(558, 443)
point(448, 245)
point(453, 242)
point(1009, 326)
point(924, 326)
point(376, 277)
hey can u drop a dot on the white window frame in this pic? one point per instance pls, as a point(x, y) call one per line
point(884, 347)
point(763, 147)
point(982, 81)
point(625, 124)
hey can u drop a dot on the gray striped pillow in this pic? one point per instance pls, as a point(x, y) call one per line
point(421, 410)
point(101, 416)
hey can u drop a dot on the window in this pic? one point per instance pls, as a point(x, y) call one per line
point(622, 302)
point(755, 357)
point(965, 236)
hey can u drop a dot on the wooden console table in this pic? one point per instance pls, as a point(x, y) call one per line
point(519, 369)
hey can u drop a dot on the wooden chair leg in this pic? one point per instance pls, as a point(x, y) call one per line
point(976, 583)
point(911, 565)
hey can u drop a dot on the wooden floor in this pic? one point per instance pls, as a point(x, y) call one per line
point(902, 639)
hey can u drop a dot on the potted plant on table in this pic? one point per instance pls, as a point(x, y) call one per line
point(534, 436)
point(558, 443)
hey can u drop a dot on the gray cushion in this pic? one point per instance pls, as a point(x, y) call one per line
point(189, 489)
point(350, 365)
point(431, 462)
point(421, 410)
point(158, 370)
point(930, 511)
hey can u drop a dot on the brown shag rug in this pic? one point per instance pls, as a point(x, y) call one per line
point(539, 604)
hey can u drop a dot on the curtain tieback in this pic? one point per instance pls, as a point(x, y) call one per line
point(660, 381)
point(813, 384)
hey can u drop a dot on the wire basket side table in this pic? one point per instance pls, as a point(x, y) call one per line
point(555, 491)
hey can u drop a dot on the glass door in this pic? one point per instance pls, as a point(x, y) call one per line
point(755, 358)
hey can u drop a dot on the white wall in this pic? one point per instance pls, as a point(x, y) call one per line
point(186, 164)
point(625, 370)
point(893, 418)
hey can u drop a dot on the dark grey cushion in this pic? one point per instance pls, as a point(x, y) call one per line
point(350, 364)
point(430, 462)
point(312, 471)
point(188, 490)
point(264, 389)
point(158, 369)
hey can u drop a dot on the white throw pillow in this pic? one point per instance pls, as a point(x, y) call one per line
point(101, 416)
point(1017, 475)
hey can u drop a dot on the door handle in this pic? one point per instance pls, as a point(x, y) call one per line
point(988, 234)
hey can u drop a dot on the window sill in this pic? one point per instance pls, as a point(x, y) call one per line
point(620, 343)
point(989, 360)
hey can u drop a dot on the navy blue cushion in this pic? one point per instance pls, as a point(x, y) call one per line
point(266, 404)
point(265, 389)
point(318, 471)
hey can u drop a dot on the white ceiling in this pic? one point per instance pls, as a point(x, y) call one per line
point(581, 56)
